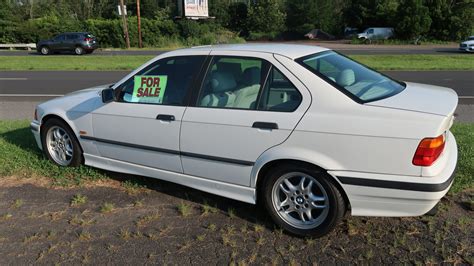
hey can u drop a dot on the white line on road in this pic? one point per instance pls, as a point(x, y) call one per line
point(31, 95)
point(466, 97)
point(13, 78)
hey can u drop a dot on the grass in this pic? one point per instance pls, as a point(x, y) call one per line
point(20, 157)
point(184, 209)
point(107, 207)
point(130, 62)
point(78, 199)
point(71, 62)
point(417, 62)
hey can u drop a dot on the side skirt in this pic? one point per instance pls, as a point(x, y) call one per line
point(240, 193)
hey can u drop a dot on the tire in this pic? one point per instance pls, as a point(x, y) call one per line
point(325, 202)
point(44, 50)
point(59, 140)
point(79, 50)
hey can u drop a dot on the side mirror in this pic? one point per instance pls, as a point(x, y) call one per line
point(108, 95)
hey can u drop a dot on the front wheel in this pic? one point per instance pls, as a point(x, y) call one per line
point(60, 144)
point(303, 201)
point(45, 50)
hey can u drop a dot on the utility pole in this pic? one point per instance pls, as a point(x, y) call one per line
point(139, 25)
point(125, 27)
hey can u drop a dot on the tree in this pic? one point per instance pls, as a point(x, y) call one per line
point(266, 16)
point(305, 15)
point(238, 16)
point(414, 19)
point(451, 20)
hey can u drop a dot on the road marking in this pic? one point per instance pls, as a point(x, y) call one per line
point(466, 97)
point(31, 95)
point(13, 78)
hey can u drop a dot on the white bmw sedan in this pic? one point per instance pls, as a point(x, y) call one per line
point(302, 129)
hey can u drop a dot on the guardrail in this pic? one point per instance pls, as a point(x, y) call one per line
point(12, 46)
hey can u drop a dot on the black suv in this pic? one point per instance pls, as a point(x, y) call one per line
point(77, 42)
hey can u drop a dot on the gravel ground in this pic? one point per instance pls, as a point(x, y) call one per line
point(120, 222)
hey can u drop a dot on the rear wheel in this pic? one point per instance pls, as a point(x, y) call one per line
point(45, 50)
point(303, 201)
point(79, 50)
point(60, 144)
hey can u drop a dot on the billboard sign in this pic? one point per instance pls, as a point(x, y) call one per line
point(194, 8)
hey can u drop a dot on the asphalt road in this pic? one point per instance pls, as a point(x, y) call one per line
point(26, 85)
point(20, 91)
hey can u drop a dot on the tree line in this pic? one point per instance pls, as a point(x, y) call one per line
point(234, 20)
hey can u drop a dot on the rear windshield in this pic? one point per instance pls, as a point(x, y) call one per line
point(357, 81)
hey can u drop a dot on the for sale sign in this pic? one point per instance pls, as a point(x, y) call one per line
point(149, 89)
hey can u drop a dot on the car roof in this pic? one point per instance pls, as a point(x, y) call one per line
point(292, 51)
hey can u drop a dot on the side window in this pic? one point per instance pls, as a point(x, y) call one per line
point(279, 94)
point(371, 31)
point(71, 37)
point(233, 82)
point(59, 38)
point(164, 82)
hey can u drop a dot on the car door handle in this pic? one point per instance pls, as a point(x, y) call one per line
point(165, 117)
point(265, 125)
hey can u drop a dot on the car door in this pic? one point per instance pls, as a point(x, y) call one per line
point(70, 41)
point(142, 126)
point(248, 103)
point(58, 42)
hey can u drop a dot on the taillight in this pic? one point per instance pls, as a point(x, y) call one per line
point(88, 39)
point(429, 150)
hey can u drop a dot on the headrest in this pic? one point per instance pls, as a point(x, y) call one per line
point(251, 76)
point(346, 78)
point(221, 82)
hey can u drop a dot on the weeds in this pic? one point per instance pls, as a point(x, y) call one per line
point(17, 203)
point(107, 207)
point(184, 209)
point(78, 199)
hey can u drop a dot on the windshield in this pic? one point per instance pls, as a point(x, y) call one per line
point(471, 38)
point(357, 81)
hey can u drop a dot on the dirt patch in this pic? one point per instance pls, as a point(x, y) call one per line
point(119, 222)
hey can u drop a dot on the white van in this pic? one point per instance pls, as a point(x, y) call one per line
point(376, 34)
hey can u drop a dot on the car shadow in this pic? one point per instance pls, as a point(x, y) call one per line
point(254, 214)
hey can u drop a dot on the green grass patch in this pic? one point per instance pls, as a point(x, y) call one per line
point(464, 179)
point(130, 62)
point(417, 62)
point(72, 62)
point(21, 157)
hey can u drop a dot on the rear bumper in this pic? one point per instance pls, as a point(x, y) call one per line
point(90, 47)
point(393, 195)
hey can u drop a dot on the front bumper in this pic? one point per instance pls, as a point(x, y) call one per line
point(35, 129)
point(395, 196)
point(467, 49)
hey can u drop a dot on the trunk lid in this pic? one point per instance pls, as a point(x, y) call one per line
point(422, 98)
